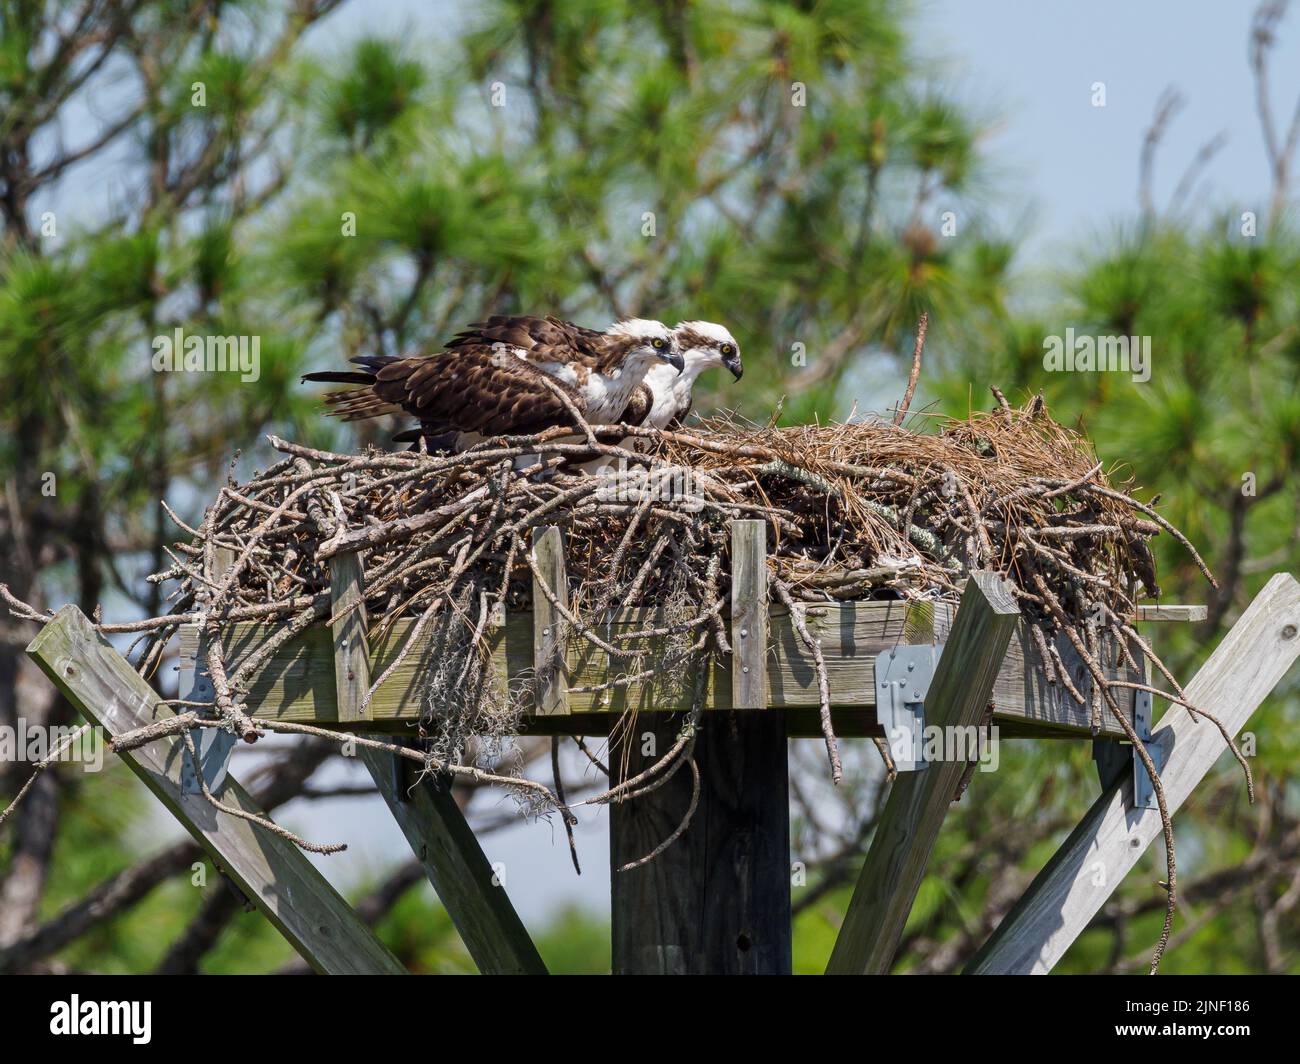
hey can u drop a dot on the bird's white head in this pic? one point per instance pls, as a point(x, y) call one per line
point(652, 341)
point(705, 343)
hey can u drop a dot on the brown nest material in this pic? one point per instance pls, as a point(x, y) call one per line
point(867, 509)
point(879, 507)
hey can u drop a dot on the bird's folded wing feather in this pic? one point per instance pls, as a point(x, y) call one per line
point(475, 388)
point(638, 407)
point(541, 339)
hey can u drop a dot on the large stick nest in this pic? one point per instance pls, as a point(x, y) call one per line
point(858, 510)
point(862, 510)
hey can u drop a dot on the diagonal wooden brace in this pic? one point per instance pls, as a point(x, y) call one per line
point(271, 871)
point(918, 801)
point(1059, 904)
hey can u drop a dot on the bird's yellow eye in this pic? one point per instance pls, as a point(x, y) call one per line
point(727, 349)
point(658, 345)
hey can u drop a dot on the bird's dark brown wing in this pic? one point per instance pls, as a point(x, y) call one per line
point(542, 339)
point(678, 420)
point(470, 389)
point(638, 407)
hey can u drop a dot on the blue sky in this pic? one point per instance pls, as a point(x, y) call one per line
point(1068, 170)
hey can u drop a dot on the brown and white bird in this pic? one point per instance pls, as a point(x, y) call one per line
point(664, 398)
point(501, 376)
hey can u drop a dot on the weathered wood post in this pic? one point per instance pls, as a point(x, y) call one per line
point(717, 901)
point(550, 647)
point(351, 636)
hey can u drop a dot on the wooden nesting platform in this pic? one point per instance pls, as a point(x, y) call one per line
point(718, 898)
point(298, 683)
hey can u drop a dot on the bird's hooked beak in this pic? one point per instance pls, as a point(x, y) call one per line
point(673, 356)
point(732, 362)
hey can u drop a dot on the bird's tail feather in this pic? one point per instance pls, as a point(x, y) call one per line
point(340, 377)
point(355, 404)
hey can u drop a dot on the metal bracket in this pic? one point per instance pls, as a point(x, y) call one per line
point(1144, 794)
point(903, 677)
point(213, 744)
point(1115, 758)
point(1112, 757)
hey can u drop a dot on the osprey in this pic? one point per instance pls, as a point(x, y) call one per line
point(501, 377)
point(664, 398)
